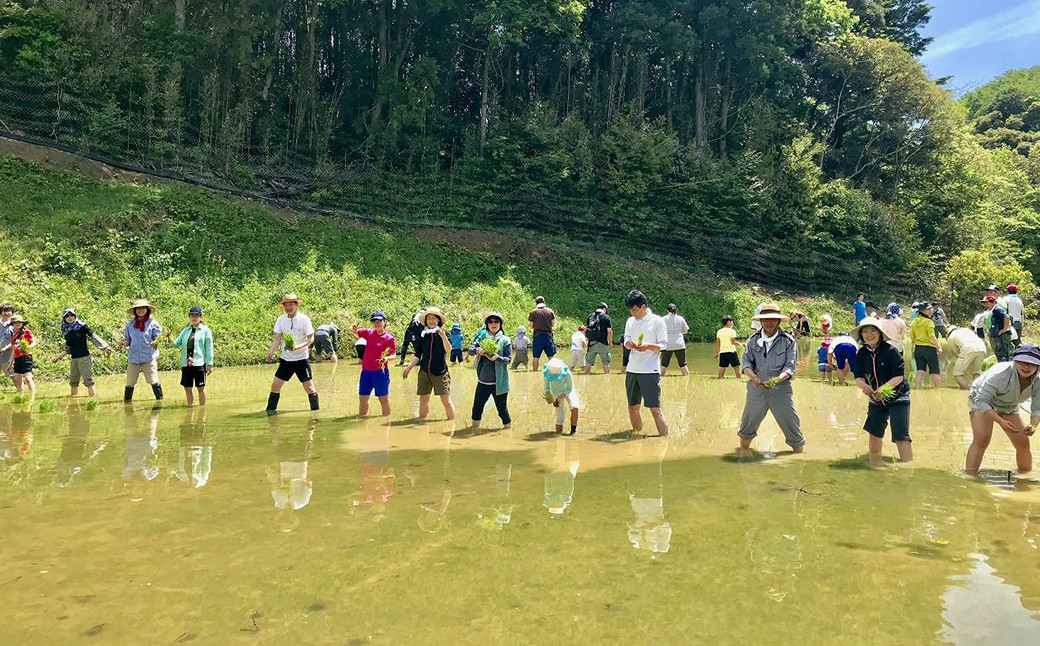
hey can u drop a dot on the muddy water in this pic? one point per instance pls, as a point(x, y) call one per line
point(171, 525)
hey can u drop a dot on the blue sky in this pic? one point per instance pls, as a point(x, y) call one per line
point(978, 40)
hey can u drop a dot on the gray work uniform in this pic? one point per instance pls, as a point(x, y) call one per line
point(779, 400)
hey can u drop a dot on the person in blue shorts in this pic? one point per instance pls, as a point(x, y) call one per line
point(843, 350)
point(543, 321)
point(823, 365)
point(457, 340)
point(375, 375)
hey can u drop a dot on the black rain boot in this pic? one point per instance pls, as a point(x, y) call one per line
point(313, 399)
point(272, 403)
point(128, 394)
point(157, 391)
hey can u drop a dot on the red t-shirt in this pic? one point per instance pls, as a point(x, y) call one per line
point(25, 335)
point(377, 344)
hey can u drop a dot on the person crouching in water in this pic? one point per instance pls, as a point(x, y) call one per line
point(492, 370)
point(769, 360)
point(141, 339)
point(558, 386)
point(521, 344)
point(878, 369)
point(995, 398)
point(432, 350)
point(196, 344)
point(81, 366)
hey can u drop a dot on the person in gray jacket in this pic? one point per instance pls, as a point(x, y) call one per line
point(994, 399)
point(769, 360)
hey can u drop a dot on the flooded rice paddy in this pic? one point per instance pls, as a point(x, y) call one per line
point(147, 524)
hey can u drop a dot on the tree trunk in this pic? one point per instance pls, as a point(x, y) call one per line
point(700, 125)
point(668, 93)
point(727, 100)
point(180, 15)
point(485, 77)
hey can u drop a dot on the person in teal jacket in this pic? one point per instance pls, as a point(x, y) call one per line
point(492, 369)
point(196, 344)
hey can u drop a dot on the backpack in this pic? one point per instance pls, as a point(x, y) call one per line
point(593, 328)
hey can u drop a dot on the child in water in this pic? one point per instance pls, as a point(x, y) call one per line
point(558, 384)
point(520, 346)
point(457, 339)
point(23, 342)
point(823, 364)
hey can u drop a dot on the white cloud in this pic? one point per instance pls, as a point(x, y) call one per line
point(1016, 22)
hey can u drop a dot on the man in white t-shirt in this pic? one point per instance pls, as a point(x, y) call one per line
point(293, 333)
point(645, 337)
point(1015, 308)
point(677, 328)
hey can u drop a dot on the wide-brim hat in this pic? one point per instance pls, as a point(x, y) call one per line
point(141, 303)
point(770, 311)
point(494, 315)
point(289, 298)
point(1027, 352)
point(555, 367)
point(456, 326)
point(436, 312)
point(18, 318)
point(870, 321)
point(68, 311)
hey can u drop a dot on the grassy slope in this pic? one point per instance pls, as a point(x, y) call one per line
point(95, 245)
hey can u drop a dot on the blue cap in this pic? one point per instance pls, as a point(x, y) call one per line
point(377, 315)
point(195, 310)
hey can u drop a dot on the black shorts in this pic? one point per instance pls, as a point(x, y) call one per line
point(286, 370)
point(927, 357)
point(23, 364)
point(728, 360)
point(680, 356)
point(193, 376)
point(323, 344)
point(898, 415)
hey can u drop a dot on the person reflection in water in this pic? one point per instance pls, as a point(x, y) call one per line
point(291, 487)
point(559, 482)
point(377, 476)
point(16, 442)
point(140, 467)
point(71, 460)
point(649, 530)
point(195, 457)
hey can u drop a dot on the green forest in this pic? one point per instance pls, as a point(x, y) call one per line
point(797, 144)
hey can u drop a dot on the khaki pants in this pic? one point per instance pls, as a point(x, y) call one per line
point(82, 368)
point(149, 370)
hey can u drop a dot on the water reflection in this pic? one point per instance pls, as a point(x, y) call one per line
point(649, 530)
point(195, 457)
point(773, 534)
point(140, 464)
point(980, 607)
point(73, 446)
point(291, 487)
point(377, 476)
point(559, 482)
point(15, 435)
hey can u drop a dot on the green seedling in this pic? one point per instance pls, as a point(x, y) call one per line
point(886, 392)
point(23, 346)
point(489, 346)
point(772, 382)
point(548, 397)
point(639, 339)
point(47, 405)
point(20, 398)
point(91, 405)
point(290, 342)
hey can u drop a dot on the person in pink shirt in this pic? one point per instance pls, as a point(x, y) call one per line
point(375, 376)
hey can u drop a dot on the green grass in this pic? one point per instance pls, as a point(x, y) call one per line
point(96, 245)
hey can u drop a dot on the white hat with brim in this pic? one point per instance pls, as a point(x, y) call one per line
point(290, 298)
point(436, 312)
point(770, 311)
point(141, 303)
point(857, 332)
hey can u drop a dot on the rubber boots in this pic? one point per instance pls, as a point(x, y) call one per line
point(128, 394)
point(157, 391)
point(272, 403)
point(313, 399)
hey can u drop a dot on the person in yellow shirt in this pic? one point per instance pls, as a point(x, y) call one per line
point(926, 347)
point(726, 348)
